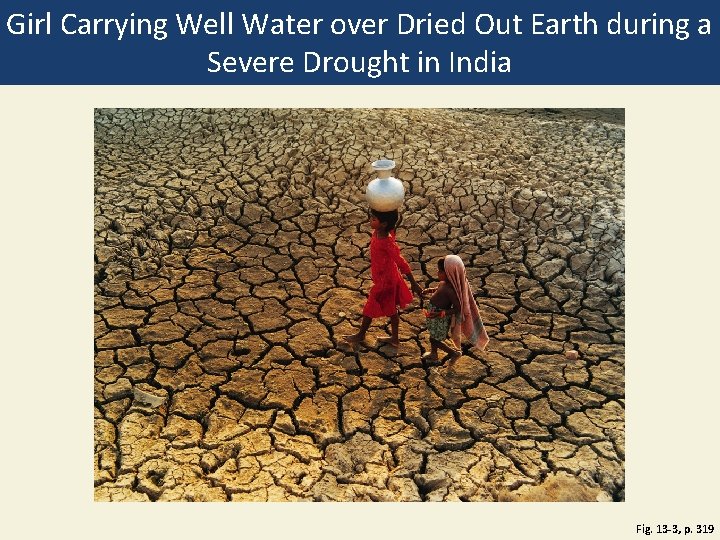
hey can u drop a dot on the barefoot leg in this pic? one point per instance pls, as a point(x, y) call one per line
point(360, 335)
point(394, 326)
point(431, 357)
point(453, 353)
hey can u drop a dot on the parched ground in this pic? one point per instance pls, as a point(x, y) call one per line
point(231, 256)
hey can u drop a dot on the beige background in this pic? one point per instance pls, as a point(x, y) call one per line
point(672, 298)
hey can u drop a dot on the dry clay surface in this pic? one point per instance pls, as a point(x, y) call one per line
point(231, 256)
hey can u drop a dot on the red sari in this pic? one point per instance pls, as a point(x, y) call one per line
point(389, 289)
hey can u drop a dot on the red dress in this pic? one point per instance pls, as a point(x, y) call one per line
point(389, 289)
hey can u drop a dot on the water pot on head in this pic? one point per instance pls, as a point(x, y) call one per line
point(385, 193)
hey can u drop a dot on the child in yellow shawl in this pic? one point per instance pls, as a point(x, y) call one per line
point(452, 310)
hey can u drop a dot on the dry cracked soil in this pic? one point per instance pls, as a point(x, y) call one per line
point(231, 256)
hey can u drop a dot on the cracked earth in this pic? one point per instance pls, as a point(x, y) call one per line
point(231, 255)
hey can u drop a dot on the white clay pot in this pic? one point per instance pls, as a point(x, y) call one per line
point(385, 193)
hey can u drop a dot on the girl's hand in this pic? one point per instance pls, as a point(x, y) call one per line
point(429, 291)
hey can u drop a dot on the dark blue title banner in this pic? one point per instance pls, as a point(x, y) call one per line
point(371, 42)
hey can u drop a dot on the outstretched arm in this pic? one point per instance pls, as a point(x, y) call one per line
point(404, 268)
point(414, 284)
point(429, 291)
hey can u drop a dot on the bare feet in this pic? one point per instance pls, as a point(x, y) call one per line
point(354, 339)
point(431, 358)
point(353, 342)
point(389, 340)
